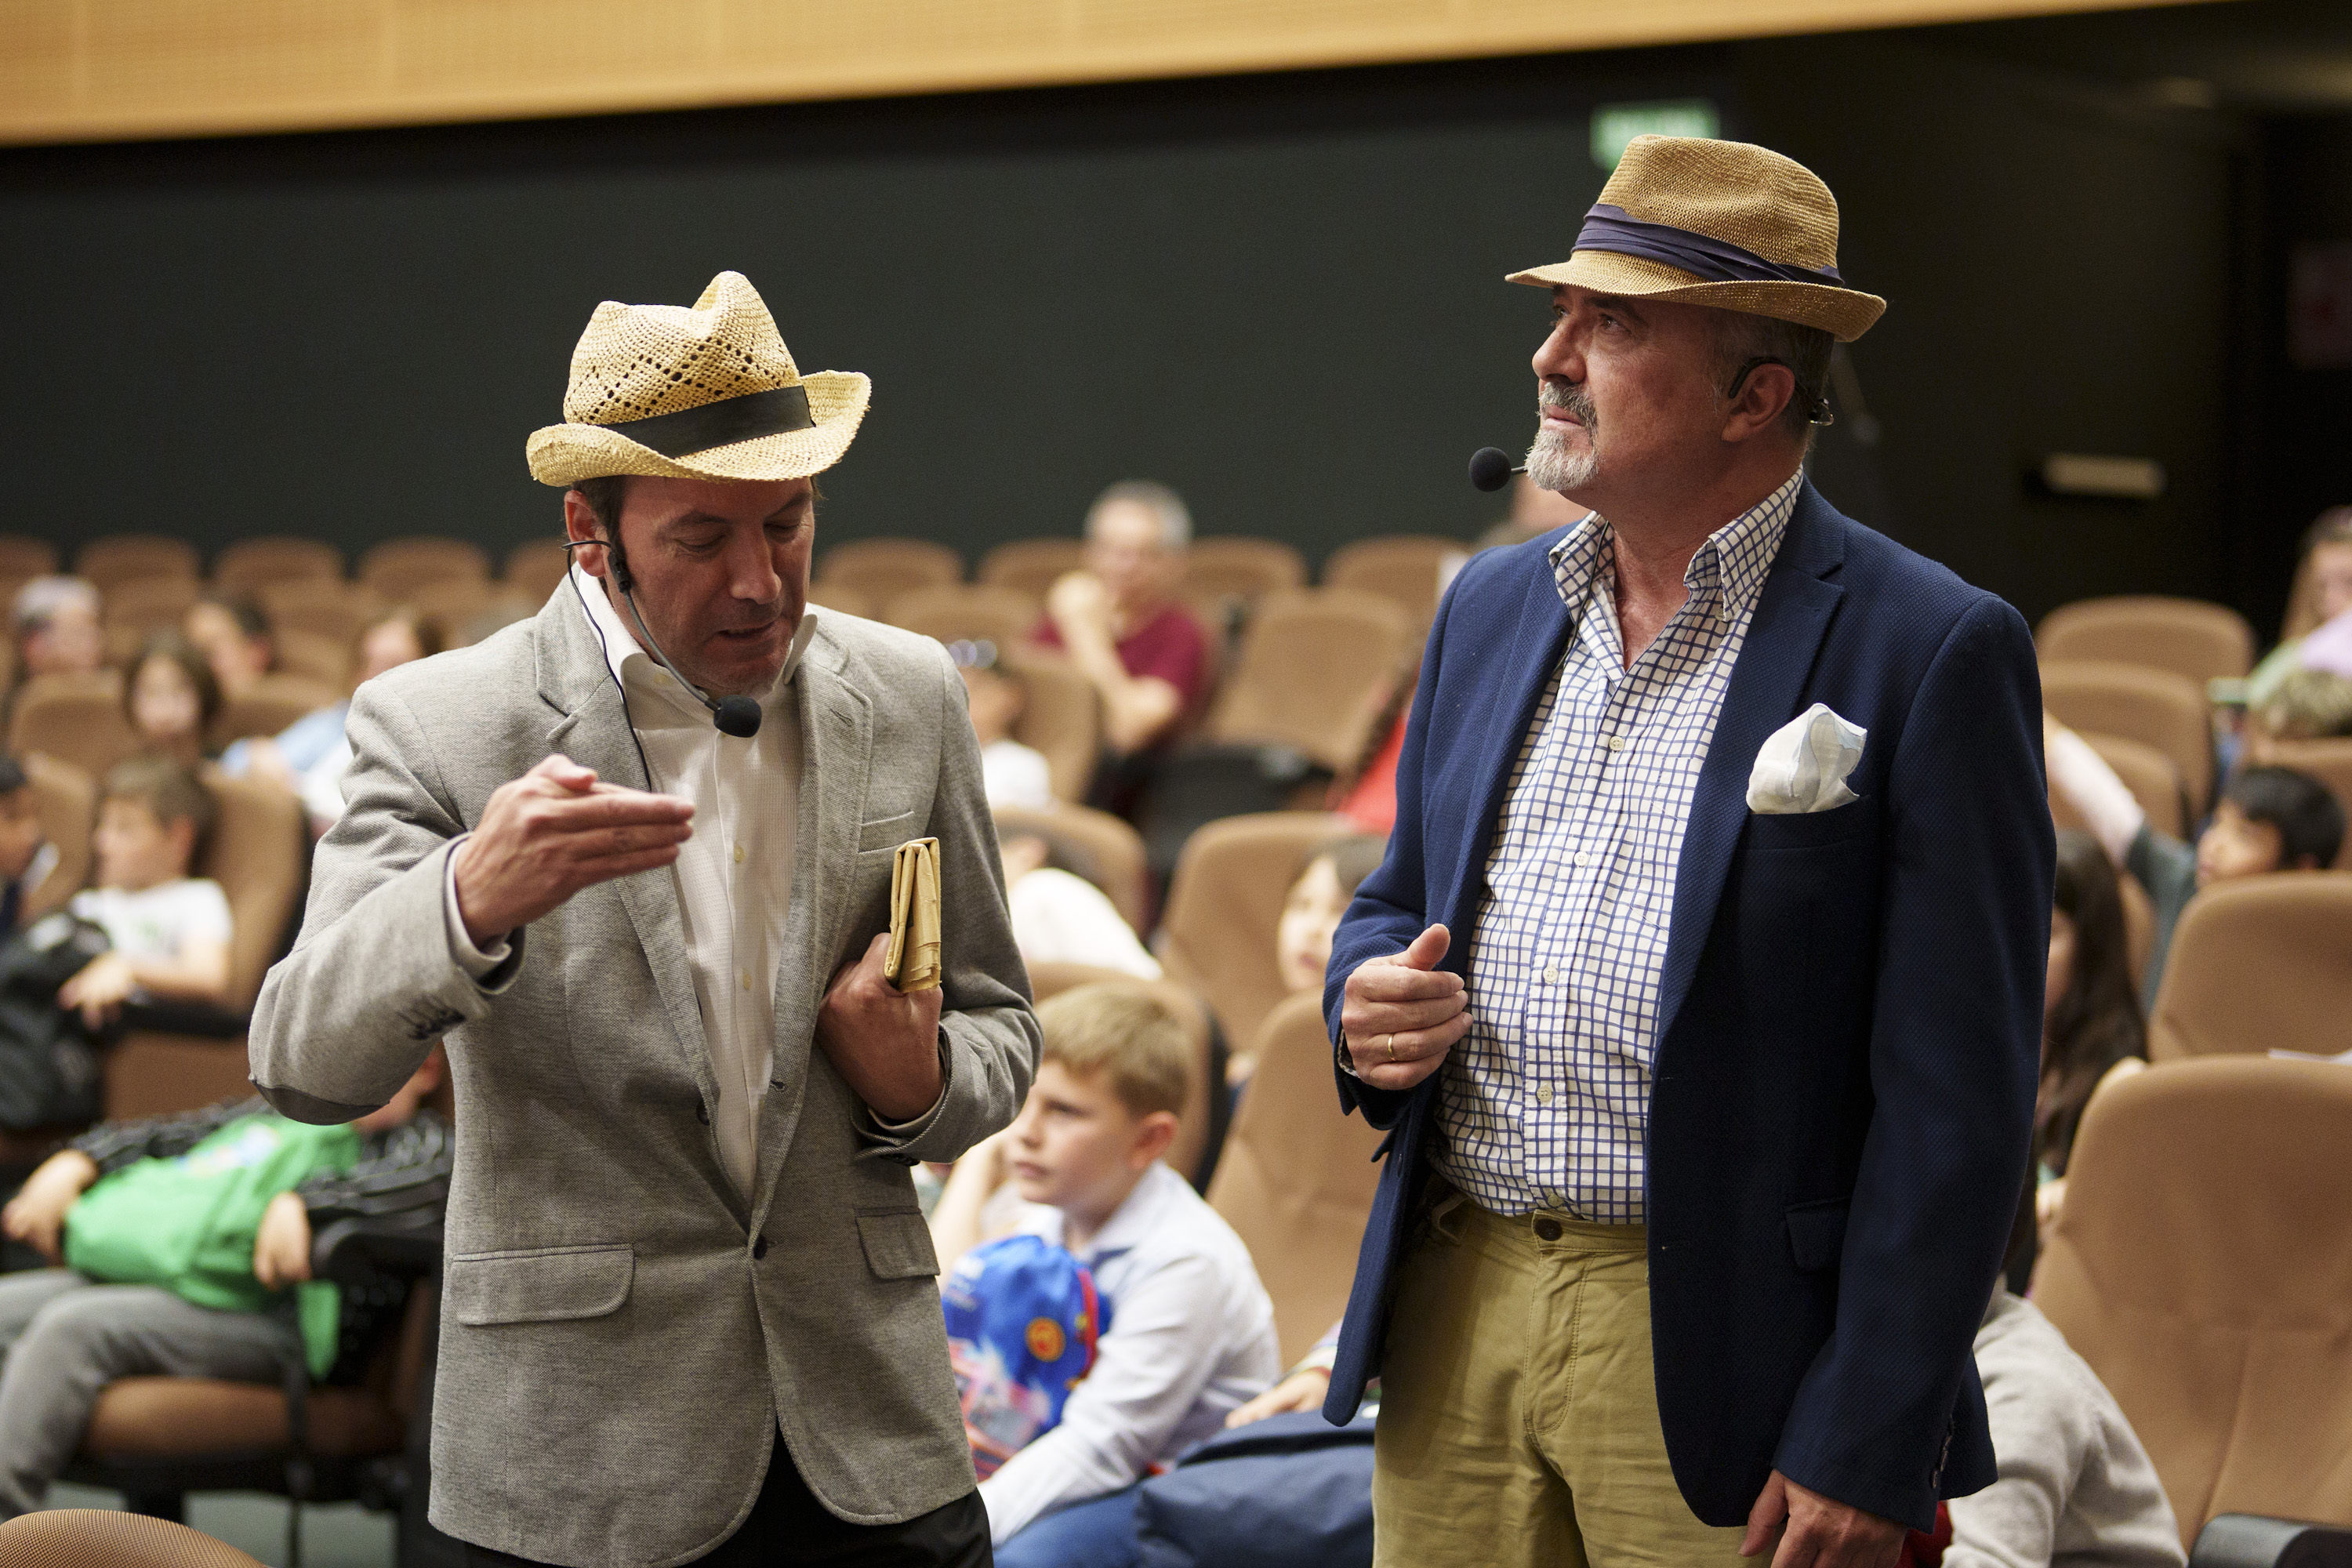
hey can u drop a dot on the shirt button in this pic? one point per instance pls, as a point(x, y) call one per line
point(1543, 1094)
point(1584, 857)
point(738, 854)
point(1614, 742)
point(1551, 973)
point(744, 978)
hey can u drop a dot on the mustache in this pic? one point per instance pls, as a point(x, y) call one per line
point(1556, 392)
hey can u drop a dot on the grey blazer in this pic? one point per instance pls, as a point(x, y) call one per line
point(619, 1336)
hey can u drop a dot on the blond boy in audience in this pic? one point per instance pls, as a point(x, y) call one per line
point(168, 931)
point(1191, 1331)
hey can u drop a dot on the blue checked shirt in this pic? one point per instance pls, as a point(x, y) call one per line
point(1546, 1102)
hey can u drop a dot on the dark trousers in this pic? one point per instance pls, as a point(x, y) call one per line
point(787, 1525)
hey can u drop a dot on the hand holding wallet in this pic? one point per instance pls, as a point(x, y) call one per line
point(912, 962)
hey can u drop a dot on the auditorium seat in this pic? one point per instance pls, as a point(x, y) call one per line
point(1113, 852)
point(880, 568)
point(462, 607)
point(251, 565)
point(312, 657)
point(65, 798)
point(269, 705)
point(259, 854)
point(2155, 707)
point(1403, 567)
point(2258, 963)
point(1031, 565)
point(1296, 1177)
point(533, 570)
point(1063, 720)
point(2189, 636)
point(2191, 1266)
point(977, 611)
point(107, 1537)
point(1203, 1084)
point(2139, 927)
point(1307, 673)
point(842, 597)
point(1230, 566)
point(1223, 903)
point(139, 607)
point(77, 718)
point(2152, 777)
point(120, 557)
point(398, 567)
point(2329, 761)
point(322, 606)
point(22, 558)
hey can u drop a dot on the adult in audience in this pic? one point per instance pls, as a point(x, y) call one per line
point(2269, 819)
point(59, 628)
point(1722, 865)
point(996, 697)
point(1120, 621)
point(2327, 557)
point(27, 856)
point(2091, 1021)
point(171, 699)
point(1061, 917)
point(310, 756)
point(232, 632)
point(180, 1247)
point(1191, 1331)
point(692, 1307)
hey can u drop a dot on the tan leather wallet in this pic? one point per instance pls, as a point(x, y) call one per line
point(913, 961)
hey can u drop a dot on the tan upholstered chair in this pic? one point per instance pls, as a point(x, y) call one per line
point(1193, 1123)
point(880, 568)
point(1113, 852)
point(467, 608)
point(139, 605)
point(1296, 1177)
point(2258, 963)
point(251, 565)
point(1223, 903)
point(2152, 777)
point(22, 558)
point(976, 611)
point(2155, 707)
point(120, 557)
point(78, 718)
point(271, 703)
point(841, 597)
point(2139, 926)
point(2189, 636)
point(533, 570)
point(105, 1538)
point(320, 607)
point(398, 567)
point(312, 657)
point(65, 797)
point(1308, 668)
point(2329, 761)
point(1063, 720)
point(1403, 567)
point(1229, 565)
point(1031, 565)
point(2302, 615)
point(258, 853)
point(2198, 1266)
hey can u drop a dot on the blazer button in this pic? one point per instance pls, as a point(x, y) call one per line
point(760, 1248)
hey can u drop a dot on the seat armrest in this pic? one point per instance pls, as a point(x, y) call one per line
point(2251, 1541)
point(356, 1251)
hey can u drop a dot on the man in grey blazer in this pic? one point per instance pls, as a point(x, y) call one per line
point(690, 1309)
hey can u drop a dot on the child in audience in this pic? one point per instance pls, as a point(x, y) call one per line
point(2309, 705)
point(2090, 1018)
point(169, 932)
point(171, 699)
point(27, 856)
point(310, 757)
point(2270, 819)
point(1190, 1330)
point(234, 635)
point(1059, 916)
point(2327, 556)
point(132, 1293)
point(1319, 895)
point(1012, 774)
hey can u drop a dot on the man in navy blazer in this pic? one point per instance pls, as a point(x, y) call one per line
point(1700, 989)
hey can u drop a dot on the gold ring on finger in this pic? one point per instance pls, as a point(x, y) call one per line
point(1387, 1043)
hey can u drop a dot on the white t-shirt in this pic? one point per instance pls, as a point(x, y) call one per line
point(1015, 776)
point(1061, 918)
point(157, 922)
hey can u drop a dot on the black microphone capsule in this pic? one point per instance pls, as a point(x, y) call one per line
point(736, 716)
point(1491, 468)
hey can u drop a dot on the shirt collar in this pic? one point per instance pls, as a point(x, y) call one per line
point(634, 669)
point(1135, 1219)
point(1735, 559)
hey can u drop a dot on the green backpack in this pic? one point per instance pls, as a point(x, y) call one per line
point(188, 1224)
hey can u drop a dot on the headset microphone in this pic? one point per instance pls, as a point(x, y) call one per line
point(1491, 468)
point(738, 716)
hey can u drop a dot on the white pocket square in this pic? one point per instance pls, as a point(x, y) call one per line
point(1803, 766)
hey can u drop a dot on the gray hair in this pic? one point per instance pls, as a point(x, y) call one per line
point(1741, 336)
point(38, 601)
point(1175, 519)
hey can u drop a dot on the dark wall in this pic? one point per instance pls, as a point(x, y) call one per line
point(1281, 294)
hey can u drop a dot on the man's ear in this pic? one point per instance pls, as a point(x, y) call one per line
point(579, 524)
point(1153, 1134)
point(1762, 397)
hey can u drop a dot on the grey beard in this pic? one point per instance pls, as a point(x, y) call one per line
point(1551, 466)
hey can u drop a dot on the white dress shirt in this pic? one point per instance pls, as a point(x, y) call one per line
point(1191, 1339)
point(733, 875)
point(1546, 1102)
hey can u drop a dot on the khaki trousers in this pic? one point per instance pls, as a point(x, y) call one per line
point(1518, 1417)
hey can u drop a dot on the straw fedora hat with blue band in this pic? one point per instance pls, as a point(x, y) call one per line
point(705, 392)
point(1722, 223)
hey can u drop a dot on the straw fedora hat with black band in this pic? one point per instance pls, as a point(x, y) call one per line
point(707, 392)
point(1722, 223)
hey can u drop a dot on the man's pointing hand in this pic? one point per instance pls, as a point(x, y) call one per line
point(552, 832)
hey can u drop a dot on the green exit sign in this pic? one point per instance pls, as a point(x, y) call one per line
point(1615, 125)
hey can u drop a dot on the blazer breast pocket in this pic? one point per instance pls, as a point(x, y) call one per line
point(886, 832)
point(538, 1285)
point(1769, 831)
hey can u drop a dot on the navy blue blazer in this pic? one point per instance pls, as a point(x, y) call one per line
point(1850, 1017)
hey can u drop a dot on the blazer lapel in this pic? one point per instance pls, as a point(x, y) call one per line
point(1792, 614)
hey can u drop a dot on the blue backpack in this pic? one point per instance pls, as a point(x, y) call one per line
point(1022, 1319)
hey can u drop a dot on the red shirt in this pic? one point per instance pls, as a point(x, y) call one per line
point(1169, 646)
